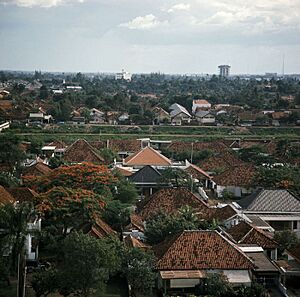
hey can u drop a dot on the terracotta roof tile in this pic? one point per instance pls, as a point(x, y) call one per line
point(5, 196)
point(136, 223)
point(132, 242)
point(295, 253)
point(197, 172)
point(223, 213)
point(22, 193)
point(98, 229)
point(147, 156)
point(81, 151)
point(37, 169)
point(241, 175)
point(170, 200)
point(200, 250)
point(180, 146)
point(244, 233)
point(124, 145)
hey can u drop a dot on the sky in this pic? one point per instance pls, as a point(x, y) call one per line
point(143, 36)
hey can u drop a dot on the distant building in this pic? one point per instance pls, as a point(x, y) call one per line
point(224, 70)
point(123, 75)
point(201, 104)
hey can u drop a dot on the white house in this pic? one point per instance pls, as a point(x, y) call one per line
point(123, 75)
point(200, 104)
point(205, 117)
point(179, 114)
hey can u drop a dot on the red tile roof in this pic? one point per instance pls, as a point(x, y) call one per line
point(240, 175)
point(193, 250)
point(180, 146)
point(133, 242)
point(244, 233)
point(136, 223)
point(22, 193)
point(81, 151)
point(223, 213)
point(37, 169)
point(5, 196)
point(197, 172)
point(147, 156)
point(123, 171)
point(170, 201)
point(98, 229)
point(124, 145)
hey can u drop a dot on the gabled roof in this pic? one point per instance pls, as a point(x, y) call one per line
point(147, 156)
point(197, 172)
point(124, 145)
point(193, 250)
point(271, 201)
point(5, 196)
point(244, 233)
point(295, 253)
point(177, 109)
point(37, 169)
point(123, 171)
point(241, 175)
point(98, 229)
point(223, 213)
point(132, 242)
point(136, 223)
point(201, 113)
point(81, 151)
point(22, 193)
point(147, 174)
point(200, 101)
point(170, 200)
point(58, 144)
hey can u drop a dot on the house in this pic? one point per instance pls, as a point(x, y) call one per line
point(170, 201)
point(124, 147)
point(179, 115)
point(279, 208)
point(265, 271)
point(81, 151)
point(290, 269)
point(133, 242)
point(205, 117)
point(200, 175)
point(124, 75)
point(97, 116)
point(160, 115)
point(185, 260)
point(246, 234)
point(39, 117)
point(236, 180)
point(147, 156)
point(123, 117)
point(98, 229)
point(147, 180)
point(54, 149)
point(37, 169)
point(200, 104)
point(78, 120)
point(16, 196)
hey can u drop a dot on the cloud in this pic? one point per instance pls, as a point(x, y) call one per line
point(180, 7)
point(146, 22)
point(38, 3)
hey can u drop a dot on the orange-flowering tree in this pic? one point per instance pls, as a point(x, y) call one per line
point(97, 178)
point(65, 208)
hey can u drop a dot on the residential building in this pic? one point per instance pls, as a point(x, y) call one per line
point(124, 75)
point(279, 208)
point(200, 104)
point(205, 117)
point(179, 115)
point(185, 260)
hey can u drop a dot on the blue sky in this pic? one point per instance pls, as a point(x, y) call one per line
point(192, 36)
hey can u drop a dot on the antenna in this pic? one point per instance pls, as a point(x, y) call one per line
point(283, 65)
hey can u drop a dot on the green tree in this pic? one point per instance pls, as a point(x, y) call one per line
point(138, 267)
point(44, 283)
point(126, 192)
point(286, 239)
point(10, 150)
point(86, 263)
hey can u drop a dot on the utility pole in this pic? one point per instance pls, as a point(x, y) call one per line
point(192, 152)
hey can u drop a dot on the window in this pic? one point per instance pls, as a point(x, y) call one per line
point(295, 225)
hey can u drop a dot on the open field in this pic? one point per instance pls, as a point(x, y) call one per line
point(186, 133)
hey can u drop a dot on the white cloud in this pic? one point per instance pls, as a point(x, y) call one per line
point(146, 22)
point(39, 3)
point(180, 7)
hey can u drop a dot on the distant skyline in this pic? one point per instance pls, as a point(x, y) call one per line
point(175, 37)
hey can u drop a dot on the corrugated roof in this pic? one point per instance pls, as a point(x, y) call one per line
point(271, 200)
